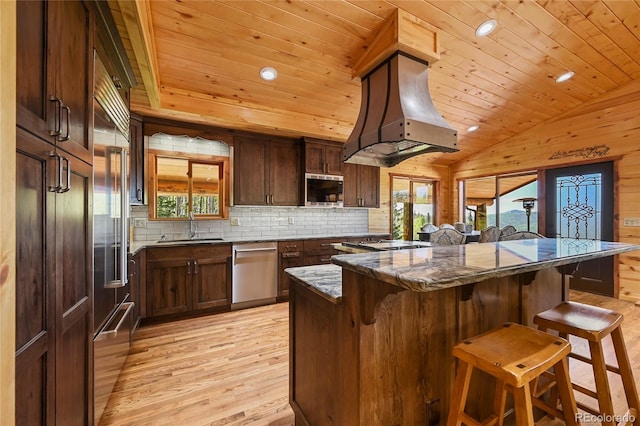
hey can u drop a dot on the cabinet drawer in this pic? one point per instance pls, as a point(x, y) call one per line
point(318, 259)
point(320, 246)
point(290, 246)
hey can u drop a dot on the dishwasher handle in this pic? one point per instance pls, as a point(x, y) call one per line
point(251, 250)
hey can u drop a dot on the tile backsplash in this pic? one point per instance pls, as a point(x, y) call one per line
point(260, 222)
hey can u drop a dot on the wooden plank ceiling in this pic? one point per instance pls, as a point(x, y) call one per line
point(199, 61)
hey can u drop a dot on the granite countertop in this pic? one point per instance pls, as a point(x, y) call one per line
point(324, 280)
point(136, 246)
point(429, 269)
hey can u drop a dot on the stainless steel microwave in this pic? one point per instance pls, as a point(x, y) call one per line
point(323, 190)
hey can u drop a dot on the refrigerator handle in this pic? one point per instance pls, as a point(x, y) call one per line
point(124, 222)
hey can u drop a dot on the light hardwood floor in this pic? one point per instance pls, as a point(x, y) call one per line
point(232, 369)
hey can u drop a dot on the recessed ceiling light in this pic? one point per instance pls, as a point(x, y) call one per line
point(486, 27)
point(268, 73)
point(564, 77)
point(473, 128)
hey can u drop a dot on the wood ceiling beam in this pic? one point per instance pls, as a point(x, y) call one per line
point(137, 19)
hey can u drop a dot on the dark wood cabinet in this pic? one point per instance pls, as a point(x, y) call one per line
point(319, 251)
point(54, 284)
point(266, 172)
point(54, 292)
point(137, 166)
point(323, 157)
point(290, 254)
point(361, 186)
point(188, 279)
point(55, 59)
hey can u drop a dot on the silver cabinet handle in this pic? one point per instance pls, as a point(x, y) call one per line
point(195, 267)
point(139, 194)
point(325, 259)
point(188, 268)
point(271, 198)
point(66, 136)
point(57, 116)
point(266, 199)
point(58, 187)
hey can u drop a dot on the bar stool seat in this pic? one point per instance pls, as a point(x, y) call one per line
point(594, 324)
point(517, 356)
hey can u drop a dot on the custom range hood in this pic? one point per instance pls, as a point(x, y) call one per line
point(398, 119)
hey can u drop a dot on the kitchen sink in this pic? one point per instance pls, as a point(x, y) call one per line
point(191, 240)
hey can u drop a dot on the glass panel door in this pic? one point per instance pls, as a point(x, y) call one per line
point(412, 206)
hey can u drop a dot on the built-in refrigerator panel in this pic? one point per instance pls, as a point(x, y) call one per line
point(112, 308)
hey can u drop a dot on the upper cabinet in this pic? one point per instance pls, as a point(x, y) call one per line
point(55, 57)
point(361, 185)
point(323, 157)
point(266, 172)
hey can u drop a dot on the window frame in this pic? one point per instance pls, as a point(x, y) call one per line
point(419, 179)
point(224, 176)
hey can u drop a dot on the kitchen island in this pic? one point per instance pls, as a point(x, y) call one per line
point(371, 336)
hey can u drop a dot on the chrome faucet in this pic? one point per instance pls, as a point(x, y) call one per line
point(193, 228)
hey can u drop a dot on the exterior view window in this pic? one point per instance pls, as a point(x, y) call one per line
point(412, 206)
point(182, 186)
point(499, 201)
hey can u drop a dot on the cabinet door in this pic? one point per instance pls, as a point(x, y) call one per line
point(251, 181)
point(284, 172)
point(351, 196)
point(369, 186)
point(333, 157)
point(167, 286)
point(314, 158)
point(287, 260)
point(211, 282)
point(35, 280)
point(137, 173)
point(35, 79)
point(74, 294)
point(71, 35)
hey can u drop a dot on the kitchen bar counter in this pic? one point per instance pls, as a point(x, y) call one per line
point(378, 352)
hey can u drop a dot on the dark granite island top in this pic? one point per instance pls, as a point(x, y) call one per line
point(429, 269)
point(371, 336)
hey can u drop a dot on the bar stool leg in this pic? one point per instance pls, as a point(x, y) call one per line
point(605, 403)
point(630, 389)
point(523, 406)
point(460, 393)
point(567, 398)
point(499, 401)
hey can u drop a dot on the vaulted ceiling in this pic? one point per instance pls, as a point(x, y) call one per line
point(199, 61)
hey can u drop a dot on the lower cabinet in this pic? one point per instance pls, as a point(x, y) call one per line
point(290, 255)
point(188, 279)
point(319, 251)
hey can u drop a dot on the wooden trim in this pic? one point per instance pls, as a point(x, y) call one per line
point(7, 193)
point(225, 190)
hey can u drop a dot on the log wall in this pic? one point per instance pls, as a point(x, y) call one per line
point(606, 129)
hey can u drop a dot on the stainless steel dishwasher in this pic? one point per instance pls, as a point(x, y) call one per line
point(255, 274)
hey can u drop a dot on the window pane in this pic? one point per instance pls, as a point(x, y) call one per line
point(206, 189)
point(579, 206)
point(173, 187)
point(480, 209)
point(423, 206)
point(514, 191)
point(400, 210)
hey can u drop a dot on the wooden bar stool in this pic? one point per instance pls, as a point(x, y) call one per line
point(594, 324)
point(516, 356)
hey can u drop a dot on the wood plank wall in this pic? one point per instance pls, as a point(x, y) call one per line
point(417, 167)
point(7, 205)
point(612, 123)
